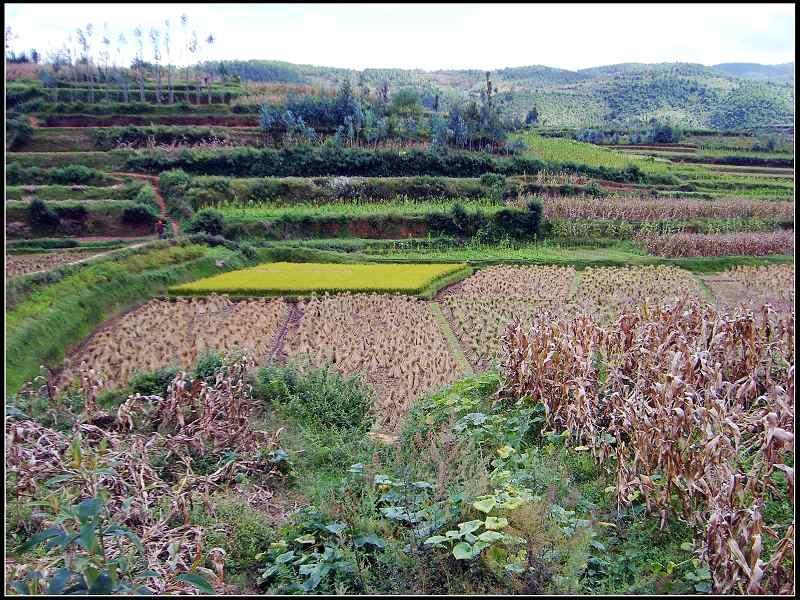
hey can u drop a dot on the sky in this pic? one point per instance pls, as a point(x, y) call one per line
point(434, 36)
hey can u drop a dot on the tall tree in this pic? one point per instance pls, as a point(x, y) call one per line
point(185, 52)
point(84, 39)
point(137, 33)
point(105, 57)
point(155, 41)
point(192, 48)
point(167, 35)
point(209, 73)
point(123, 72)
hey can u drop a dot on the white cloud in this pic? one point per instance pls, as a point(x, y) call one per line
point(480, 36)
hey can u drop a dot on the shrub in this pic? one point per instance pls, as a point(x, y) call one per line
point(41, 217)
point(207, 366)
point(492, 179)
point(207, 221)
point(77, 212)
point(320, 398)
point(174, 183)
point(76, 174)
point(67, 175)
point(153, 382)
point(18, 131)
point(147, 197)
point(139, 214)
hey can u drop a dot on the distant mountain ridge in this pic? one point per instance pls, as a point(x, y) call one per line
point(723, 96)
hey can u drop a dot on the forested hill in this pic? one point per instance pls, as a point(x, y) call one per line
point(725, 96)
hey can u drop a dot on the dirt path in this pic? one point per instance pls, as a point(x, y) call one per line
point(278, 354)
point(153, 180)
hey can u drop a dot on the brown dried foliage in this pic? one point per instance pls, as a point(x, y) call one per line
point(694, 408)
point(146, 451)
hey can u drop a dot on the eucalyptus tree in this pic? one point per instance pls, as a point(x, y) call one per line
point(105, 58)
point(84, 40)
point(209, 73)
point(193, 48)
point(185, 52)
point(155, 42)
point(167, 35)
point(122, 73)
point(137, 33)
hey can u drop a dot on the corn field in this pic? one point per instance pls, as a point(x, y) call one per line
point(639, 208)
point(720, 244)
point(692, 407)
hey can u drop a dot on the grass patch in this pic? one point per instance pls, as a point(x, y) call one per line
point(274, 279)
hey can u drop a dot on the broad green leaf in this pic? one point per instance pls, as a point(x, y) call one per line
point(490, 536)
point(462, 551)
point(495, 522)
point(197, 581)
point(306, 539)
point(369, 540)
point(505, 451)
point(688, 546)
point(21, 587)
point(102, 585)
point(58, 581)
point(436, 539)
point(513, 503)
point(485, 505)
point(284, 558)
point(58, 479)
point(336, 528)
point(89, 508)
point(87, 538)
point(469, 527)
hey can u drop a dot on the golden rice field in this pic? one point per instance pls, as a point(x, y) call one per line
point(274, 279)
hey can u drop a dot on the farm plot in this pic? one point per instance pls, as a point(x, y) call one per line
point(273, 279)
point(721, 244)
point(174, 333)
point(480, 307)
point(607, 291)
point(640, 208)
point(753, 287)
point(22, 264)
point(394, 341)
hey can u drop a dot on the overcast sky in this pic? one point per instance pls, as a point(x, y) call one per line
point(438, 36)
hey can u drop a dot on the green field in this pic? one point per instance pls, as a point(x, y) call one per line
point(273, 279)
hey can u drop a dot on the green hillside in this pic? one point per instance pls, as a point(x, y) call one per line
point(729, 96)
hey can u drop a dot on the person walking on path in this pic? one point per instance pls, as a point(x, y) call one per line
point(160, 229)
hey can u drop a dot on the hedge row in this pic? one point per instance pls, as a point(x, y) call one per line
point(518, 224)
point(210, 191)
point(17, 174)
point(305, 161)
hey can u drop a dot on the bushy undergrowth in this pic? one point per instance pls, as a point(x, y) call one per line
point(318, 398)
